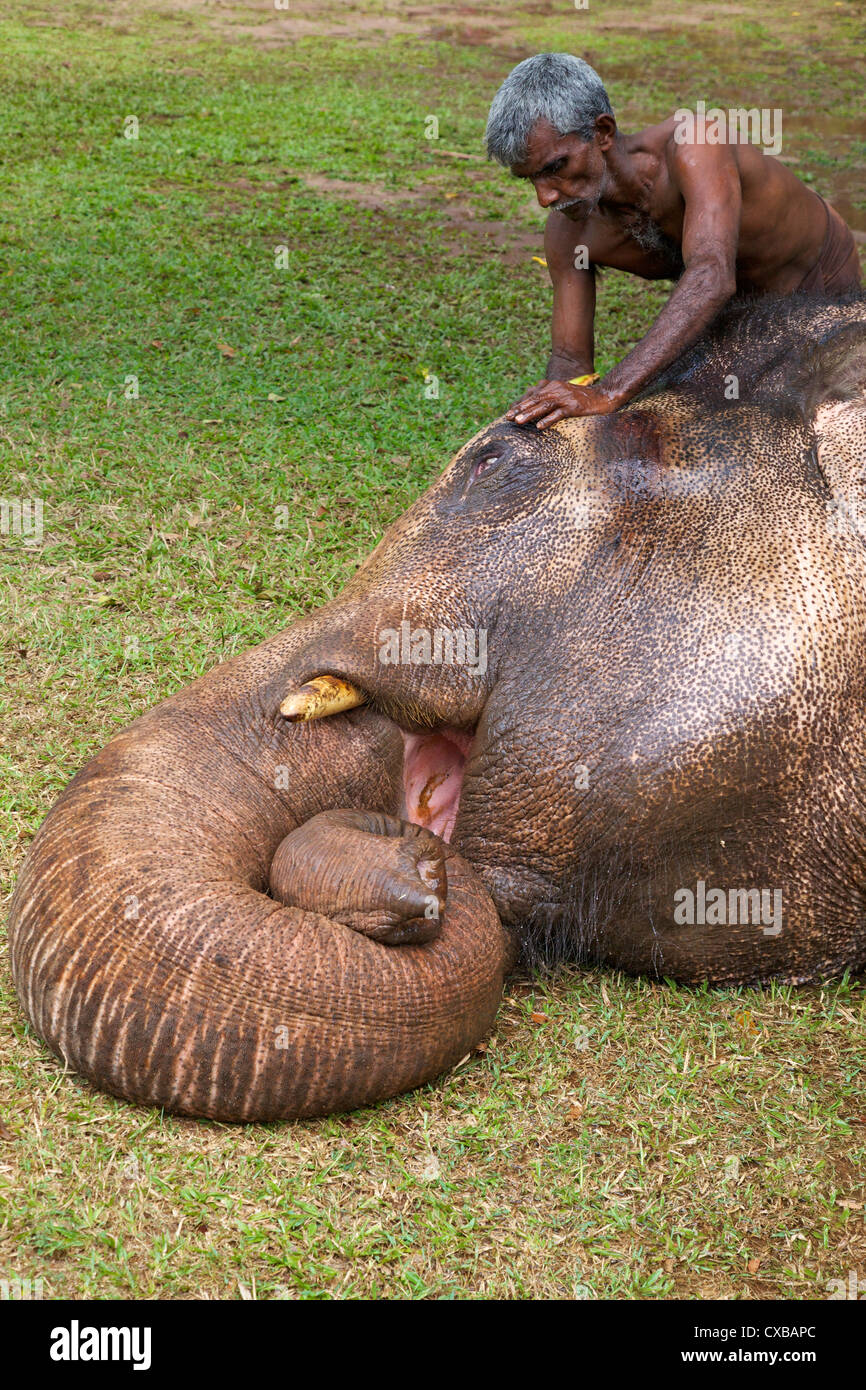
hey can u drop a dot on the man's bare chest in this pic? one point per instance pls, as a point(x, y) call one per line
point(636, 243)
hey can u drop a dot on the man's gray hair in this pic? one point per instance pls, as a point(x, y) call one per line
point(552, 87)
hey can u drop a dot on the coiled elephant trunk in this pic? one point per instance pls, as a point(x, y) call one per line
point(148, 954)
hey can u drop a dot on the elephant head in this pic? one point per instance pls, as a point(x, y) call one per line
point(589, 667)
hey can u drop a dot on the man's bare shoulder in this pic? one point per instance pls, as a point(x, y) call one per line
point(769, 189)
point(684, 157)
point(757, 170)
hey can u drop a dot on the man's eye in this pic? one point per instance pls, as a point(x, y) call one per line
point(484, 465)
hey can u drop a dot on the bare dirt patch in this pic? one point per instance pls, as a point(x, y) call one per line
point(512, 242)
point(490, 23)
point(260, 21)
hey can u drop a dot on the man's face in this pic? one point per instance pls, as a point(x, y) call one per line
point(568, 173)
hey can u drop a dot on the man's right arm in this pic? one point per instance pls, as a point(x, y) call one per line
point(572, 337)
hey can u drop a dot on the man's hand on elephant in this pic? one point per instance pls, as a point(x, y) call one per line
point(551, 401)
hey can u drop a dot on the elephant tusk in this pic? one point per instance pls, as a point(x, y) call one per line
point(320, 696)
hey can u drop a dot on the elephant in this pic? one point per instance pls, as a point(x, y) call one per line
point(597, 696)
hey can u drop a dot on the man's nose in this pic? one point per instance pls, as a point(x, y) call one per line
point(546, 194)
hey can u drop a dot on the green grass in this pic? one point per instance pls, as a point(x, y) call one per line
point(617, 1138)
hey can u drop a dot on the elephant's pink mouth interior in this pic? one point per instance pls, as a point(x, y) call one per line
point(433, 767)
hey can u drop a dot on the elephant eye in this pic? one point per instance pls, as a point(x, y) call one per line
point(484, 465)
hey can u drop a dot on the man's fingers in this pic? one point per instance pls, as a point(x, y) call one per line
point(552, 419)
point(539, 405)
point(559, 400)
point(533, 411)
point(529, 399)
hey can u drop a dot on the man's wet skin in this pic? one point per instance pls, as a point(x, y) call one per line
point(718, 219)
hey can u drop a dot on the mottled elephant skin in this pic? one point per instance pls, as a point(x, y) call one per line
point(663, 619)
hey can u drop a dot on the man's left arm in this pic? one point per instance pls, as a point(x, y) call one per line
point(709, 181)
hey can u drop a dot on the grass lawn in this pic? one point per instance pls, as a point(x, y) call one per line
point(216, 339)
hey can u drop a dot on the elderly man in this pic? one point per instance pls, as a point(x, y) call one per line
point(667, 203)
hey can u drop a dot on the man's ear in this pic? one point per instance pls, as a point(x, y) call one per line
point(605, 130)
point(832, 389)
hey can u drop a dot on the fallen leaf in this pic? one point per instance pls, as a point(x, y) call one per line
point(753, 1266)
point(848, 1204)
point(226, 350)
point(272, 396)
point(538, 1018)
point(604, 996)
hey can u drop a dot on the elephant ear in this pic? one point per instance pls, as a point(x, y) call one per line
point(833, 388)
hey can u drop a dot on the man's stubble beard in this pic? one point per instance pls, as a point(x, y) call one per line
point(584, 208)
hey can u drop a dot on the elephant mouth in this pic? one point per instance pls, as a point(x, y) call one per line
point(434, 757)
point(433, 768)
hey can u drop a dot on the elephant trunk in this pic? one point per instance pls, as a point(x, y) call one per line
point(148, 953)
